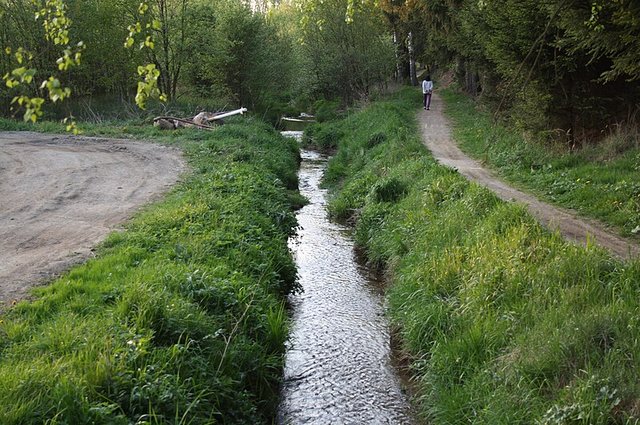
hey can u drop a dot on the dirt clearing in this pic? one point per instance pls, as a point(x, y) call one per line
point(436, 135)
point(61, 195)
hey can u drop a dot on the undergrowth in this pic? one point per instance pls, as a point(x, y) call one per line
point(181, 318)
point(502, 321)
point(600, 180)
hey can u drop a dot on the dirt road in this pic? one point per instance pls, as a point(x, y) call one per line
point(436, 135)
point(60, 196)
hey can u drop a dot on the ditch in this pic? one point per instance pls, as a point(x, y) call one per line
point(339, 365)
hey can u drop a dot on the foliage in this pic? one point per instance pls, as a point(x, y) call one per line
point(502, 321)
point(180, 318)
point(608, 29)
point(241, 57)
point(347, 59)
point(150, 73)
point(56, 25)
point(406, 19)
point(218, 50)
point(326, 110)
point(543, 65)
point(322, 137)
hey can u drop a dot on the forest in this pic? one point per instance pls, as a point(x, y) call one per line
point(557, 70)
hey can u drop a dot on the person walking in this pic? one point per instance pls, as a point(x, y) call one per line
point(427, 88)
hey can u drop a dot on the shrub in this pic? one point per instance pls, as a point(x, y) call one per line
point(389, 190)
point(326, 110)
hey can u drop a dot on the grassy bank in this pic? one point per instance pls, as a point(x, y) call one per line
point(503, 322)
point(180, 318)
point(600, 181)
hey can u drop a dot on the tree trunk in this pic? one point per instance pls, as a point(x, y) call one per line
point(412, 60)
point(472, 80)
point(397, 47)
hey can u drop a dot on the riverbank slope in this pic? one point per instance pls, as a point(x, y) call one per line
point(178, 319)
point(502, 321)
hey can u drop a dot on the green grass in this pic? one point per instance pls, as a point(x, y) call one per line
point(503, 322)
point(181, 318)
point(601, 181)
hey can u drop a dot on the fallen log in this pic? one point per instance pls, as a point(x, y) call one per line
point(175, 120)
point(226, 114)
point(199, 121)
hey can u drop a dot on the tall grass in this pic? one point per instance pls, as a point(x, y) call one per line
point(180, 318)
point(503, 322)
point(600, 180)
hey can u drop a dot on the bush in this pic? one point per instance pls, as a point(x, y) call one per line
point(389, 190)
point(323, 137)
point(326, 110)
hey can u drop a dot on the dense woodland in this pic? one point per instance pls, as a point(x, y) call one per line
point(221, 53)
point(560, 69)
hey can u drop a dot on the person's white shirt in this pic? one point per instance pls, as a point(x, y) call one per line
point(427, 86)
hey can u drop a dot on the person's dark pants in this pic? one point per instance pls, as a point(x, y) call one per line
point(427, 100)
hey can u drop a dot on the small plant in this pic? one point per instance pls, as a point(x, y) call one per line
point(389, 190)
point(595, 403)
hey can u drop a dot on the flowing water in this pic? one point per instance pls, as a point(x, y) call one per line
point(338, 366)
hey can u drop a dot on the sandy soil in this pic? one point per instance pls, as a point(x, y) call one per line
point(436, 135)
point(61, 195)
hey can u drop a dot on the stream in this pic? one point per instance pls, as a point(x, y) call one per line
point(338, 367)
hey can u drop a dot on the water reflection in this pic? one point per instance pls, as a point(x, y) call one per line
point(338, 367)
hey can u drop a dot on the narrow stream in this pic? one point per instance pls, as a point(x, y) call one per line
point(338, 366)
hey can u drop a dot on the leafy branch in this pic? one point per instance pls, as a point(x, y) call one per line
point(143, 30)
point(56, 25)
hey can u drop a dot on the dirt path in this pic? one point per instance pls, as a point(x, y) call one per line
point(60, 196)
point(436, 135)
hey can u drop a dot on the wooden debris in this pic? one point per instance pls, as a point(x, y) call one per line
point(163, 124)
point(201, 120)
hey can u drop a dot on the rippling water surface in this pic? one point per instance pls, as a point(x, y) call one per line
point(338, 366)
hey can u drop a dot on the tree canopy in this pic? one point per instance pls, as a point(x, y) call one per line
point(553, 67)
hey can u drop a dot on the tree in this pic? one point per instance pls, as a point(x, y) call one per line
point(545, 66)
point(240, 57)
point(605, 30)
point(22, 76)
point(406, 20)
point(347, 58)
point(170, 55)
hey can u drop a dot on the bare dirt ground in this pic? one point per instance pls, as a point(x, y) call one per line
point(61, 195)
point(436, 135)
